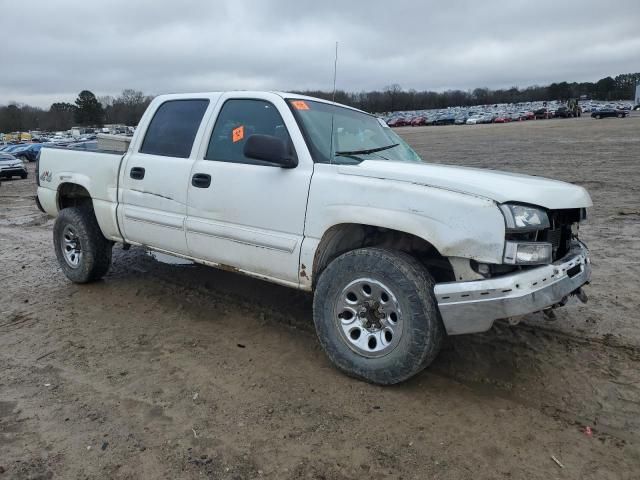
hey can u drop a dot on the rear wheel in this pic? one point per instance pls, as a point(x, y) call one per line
point(84, 254)
point(376, 315)
point(23, 175)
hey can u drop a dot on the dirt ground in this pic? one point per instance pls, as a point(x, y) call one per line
point(187, 372)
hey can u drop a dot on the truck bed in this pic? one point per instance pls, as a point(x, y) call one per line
point(95, 171)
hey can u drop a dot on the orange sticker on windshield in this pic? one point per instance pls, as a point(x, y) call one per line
point(237, 134)
point(300, 105)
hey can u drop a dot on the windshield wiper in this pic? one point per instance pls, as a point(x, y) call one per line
point(364, 152)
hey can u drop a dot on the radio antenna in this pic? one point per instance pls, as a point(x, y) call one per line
point(333, 99)
point(335, 72)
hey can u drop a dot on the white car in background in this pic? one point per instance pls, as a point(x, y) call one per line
point(11, 166)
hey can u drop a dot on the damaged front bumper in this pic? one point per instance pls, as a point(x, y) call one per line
point(471, 307)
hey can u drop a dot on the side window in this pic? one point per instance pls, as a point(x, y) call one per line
point(238, 119)
point(173, 128)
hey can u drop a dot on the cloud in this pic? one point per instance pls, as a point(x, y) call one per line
point(56, 49)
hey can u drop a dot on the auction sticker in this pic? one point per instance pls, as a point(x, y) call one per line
point(300, 105)
point(237, 134)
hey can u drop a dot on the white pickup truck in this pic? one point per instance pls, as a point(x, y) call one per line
point(324, 198)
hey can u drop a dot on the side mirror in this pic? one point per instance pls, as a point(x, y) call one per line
point(269, 149)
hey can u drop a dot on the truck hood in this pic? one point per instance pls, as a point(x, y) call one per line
point(498, 186)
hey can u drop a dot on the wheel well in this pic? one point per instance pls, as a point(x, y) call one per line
point(345, 237)
point(73, 195)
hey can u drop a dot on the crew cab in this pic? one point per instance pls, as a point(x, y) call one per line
point(321, 197)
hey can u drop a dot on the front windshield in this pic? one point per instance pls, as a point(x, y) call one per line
point(357, 136)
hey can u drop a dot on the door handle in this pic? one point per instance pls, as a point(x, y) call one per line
point(201, 180)
point(137, 173)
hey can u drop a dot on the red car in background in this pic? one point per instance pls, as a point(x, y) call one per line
point(525, 116)
point(502, 118)
point(398, 122)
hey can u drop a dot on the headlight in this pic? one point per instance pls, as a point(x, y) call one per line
point(527, 253)
point(520, 218)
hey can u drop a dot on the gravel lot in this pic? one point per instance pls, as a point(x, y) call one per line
point(189, 372)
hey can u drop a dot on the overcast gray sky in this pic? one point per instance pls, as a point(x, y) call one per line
point(53, 49)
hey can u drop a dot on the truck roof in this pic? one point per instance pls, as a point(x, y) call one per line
point(285, 95)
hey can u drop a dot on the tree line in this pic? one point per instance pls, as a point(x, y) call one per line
point(395, 98)
point(87, 110)
point(128, 107)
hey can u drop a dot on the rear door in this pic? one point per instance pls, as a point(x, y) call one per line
point(252, 214)
point(153, 183)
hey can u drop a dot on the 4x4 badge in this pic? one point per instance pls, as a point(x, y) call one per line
point(45, 176)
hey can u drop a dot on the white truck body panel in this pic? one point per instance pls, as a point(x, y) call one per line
point(501, 187)
point(96, 172)
point(156, 206)
point(253, 217)
point(269, 221)
point(457, 225)
point(153, 210)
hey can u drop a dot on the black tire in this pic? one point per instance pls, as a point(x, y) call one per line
point(598, 117)
point(95, 258)
point(422, 331)
point(24, 175)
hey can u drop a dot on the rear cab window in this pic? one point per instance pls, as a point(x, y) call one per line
point(173, 128)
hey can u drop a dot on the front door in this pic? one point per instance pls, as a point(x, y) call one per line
point(153, 190)
point(252, 214)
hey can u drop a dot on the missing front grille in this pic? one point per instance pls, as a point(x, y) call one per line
point(573, 271)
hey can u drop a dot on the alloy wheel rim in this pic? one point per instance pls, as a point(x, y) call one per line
point(71, 248)
point(368, 317)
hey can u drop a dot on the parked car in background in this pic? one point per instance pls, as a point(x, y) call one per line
point(475, 120)
point(28, 152)
point(88, 145)
point(609, 112)
point(11, 147)
point(541, 113)
point(445, 119)
point(397, 122)
point(522, 115)
point(11, 166)
point(563, 112)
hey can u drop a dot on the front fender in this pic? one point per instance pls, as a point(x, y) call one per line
point(456, 224)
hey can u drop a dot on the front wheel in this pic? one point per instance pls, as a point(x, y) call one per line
point(376, 316)
point(84, 254)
